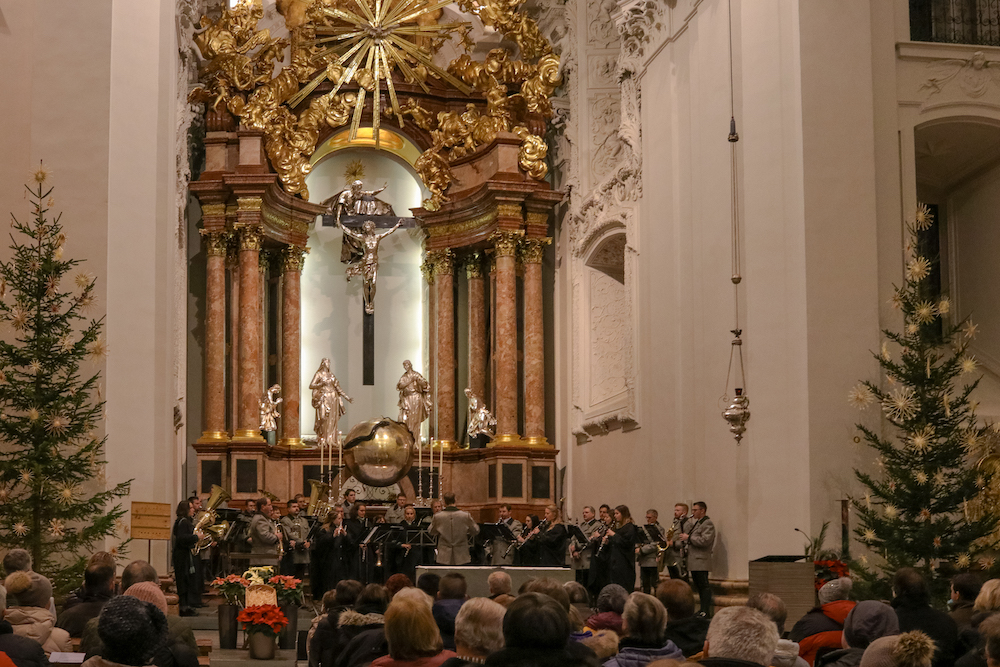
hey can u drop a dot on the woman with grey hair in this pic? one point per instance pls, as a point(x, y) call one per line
point(478, 632)
point(643, 621)
point(610, 605)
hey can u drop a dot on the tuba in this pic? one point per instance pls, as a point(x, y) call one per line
point(205, 521)
point(319, 496)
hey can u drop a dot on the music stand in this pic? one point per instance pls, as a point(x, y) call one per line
point(495, 531)
point(575, 533)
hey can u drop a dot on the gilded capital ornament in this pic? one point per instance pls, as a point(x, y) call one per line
point(510, 211)
point(474, 265)
point(264, 260)
point(444, 262)
point(216, 243)
point(293, 258)
point(533, 250)
point(538, 218)
point(213, 210)
point(427, 269)
point(251, 237)
point(505, 242)
point(249, 203)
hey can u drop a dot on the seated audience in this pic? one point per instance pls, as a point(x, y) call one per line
point(412, 636)
point(29, 602)
point(986, 628)
point(77, 596)
point(536, 632)
point(684, 628)
point(610, 604)
point(451, 596)
point(991, 635)
point(500, 587)
point(478, 632)
point(971, 642)
point(362, 630)
point(912, 602)
point(416, 595)
point(98, 588)
point(131, 631)
point(19, 560)
point(965, 589)
point(428, 582)
point(324, 646)
point(740, 637)
point(396, 583)
point(786, 654)
point(579, 598)
point(822, 628)
point(643, 621)
point(22, 651)
point(868, 621)
point(910, 649)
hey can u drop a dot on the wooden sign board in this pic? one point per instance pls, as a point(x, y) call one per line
point(151, 521)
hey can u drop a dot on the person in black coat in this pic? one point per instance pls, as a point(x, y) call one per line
point(912, 602)
point(184, 539)
point(536, 633)
point(553, 541)
point(326, 563)
point(619, 544)
point(22, 651)
point(528, 550)
point(357, 528)
point(402, 556)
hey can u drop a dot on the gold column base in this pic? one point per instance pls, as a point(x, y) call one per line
point(247, 435)
point(446, 445)
point(535, 441)
point(292, 443)
point(212, 437)
point(506, 439)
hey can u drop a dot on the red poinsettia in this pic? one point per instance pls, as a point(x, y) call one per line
point(828, 570)
point(232, 587)
point(265, 618)
point(287, 589)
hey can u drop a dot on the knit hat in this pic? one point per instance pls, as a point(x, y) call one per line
point(838, 589)
point(868, 621)
point(910, 649)
point(149, 592)
point(132, 630)
point(28, 589)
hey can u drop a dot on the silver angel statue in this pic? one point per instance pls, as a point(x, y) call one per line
point(355, 200)
point(481, 422)
point(328, 399)
point(414, 399)
point(269, 409)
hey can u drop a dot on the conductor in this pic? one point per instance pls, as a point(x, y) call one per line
point(453, 528)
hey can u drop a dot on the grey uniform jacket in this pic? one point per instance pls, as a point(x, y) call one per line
point(500, 547)
point(395, 514)
point(672, 556)
point(453, 528)
point(296, 529)
point(263, 539)
point(701, 540)
point(585, 551)
point(648, 551)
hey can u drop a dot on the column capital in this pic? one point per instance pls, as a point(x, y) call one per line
point(441, 261)
point(264, 259)
point(533, 250)
point(216, 243)
point(427, 269)
point(251, 237)
point(293, 258)
point(506, 241)
point(474, 265)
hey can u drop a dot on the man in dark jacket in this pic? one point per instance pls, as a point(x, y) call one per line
point(965, 588)
point(22, 651)
point(684, 629)
point(912, 602)
point(98, 588)
point(536, 633)
point(821, 629)
point(868, 621)
point(451, 597)
point(740, 637)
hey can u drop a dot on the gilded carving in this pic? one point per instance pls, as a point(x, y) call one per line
point(474, 265)
point(249, 203)
point(293, 258)
point(287, 224)
point(250, 237)
point(531, 156)
point(533, 250)
point(462, 227)
point(216, 243)
point(509, 211)
point(264, 260)
point(427, 268)
point(538, 218)
point(444, 262)
point(505, 242)
point(213, 210)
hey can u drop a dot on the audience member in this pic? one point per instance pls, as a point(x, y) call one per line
point(912, 602)
point(324, 645)
point(822, 628)
point(643, 621)
point(396, 583)
point(987, 604)
point(428, 582)
point(557, 592)
point(993, 647)
point(536, 632)
point(416, 595)
point(500, 587)
point(132, 632)
point(987, 628)
point(362, 629)
point(29, 598)
point(451, 596)
point(740, 637)
point(965, 589)
point(868, 621)
point(910, 649)
point(579, 598)
point(19, 560)
point(98, 558)
point(786, 654)
point(136, 571)
point(478, 632)
point(610, 604)
point(684, 628)
point(412, 636)
point(98, 588)
point(22, 651)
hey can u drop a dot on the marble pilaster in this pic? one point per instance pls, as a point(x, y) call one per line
point(427, 269)
point(477, 325)
point(444, 282)
point(214, 419)
point(291, 344)
point(250, 340)
point(505, 390)
point(532, 251)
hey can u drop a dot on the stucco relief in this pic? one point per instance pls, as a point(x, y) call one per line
point(603, 68)
point(610, 344)
point(974, 76)
point(607, 150)
point(601, 30)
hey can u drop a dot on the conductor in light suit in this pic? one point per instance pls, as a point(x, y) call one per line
point(453, 528)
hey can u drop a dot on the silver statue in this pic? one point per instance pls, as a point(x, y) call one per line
point(269, 408)
point(355, 200)
point(366, 263)
point(414, 399)
point(481, 422)
point(328, 399)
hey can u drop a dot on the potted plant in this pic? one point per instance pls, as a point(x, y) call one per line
point(233, 589)
point(289, 593)
point(262, 623)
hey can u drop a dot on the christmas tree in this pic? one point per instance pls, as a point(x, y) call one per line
point(56, 501)
point(915, 509)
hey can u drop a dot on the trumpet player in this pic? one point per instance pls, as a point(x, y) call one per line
point(502, 553)
point(580, 553)
point(295, 529)
point(263, 536)
point(648, 552)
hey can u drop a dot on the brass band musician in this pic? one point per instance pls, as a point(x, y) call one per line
point(581, 553)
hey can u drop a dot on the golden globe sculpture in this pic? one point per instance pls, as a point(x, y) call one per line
point(379, 452)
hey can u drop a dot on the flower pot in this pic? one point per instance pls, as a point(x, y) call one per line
point(227, 625)
point(262, 646)
point(288, 635)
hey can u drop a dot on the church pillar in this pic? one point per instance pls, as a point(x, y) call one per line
point(477, 325)
point(444, 282)
point(532, 251)
point(215, 332)
point(505, 391)
point(232, 353)
point(427, 269)
point(250, 341)
point(291, 322)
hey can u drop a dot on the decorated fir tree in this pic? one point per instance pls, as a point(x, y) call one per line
point(55, 500)
point(915, 511)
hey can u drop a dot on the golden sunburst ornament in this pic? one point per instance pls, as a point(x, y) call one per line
point(20, 529)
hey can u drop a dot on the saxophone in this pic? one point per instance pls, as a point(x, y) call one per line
point(281, 542)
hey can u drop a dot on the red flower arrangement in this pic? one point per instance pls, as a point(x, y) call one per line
point(828, 570)
point(264, 618)
point(287, 589)
point(233, 587)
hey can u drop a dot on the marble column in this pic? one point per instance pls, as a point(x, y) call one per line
point(427, 269)
point(232, 353)
point(291, 344)
point(477, 325)
point(505, 391)
point(250, 342)
point(532, 251)
point(214, 419)
point(444, 283)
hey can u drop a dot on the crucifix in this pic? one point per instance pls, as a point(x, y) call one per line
point(359, 214)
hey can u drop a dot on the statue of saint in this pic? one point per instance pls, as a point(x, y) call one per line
point(366, 265)
point(328, 399)
point(481, 422)
point(414, 399)
point(355, 200)
point(269, 409)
